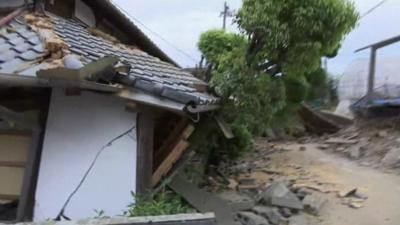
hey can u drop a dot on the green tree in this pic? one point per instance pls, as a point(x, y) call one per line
point(290, 34)
point(295, 34)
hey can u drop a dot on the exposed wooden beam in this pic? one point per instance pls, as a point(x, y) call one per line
point(178, 150)
point(171, 159)
point(145, 143)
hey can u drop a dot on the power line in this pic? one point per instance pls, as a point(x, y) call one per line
point(373, 8)
point(155, 33)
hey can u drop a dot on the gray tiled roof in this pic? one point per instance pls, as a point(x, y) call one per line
point(20, 47)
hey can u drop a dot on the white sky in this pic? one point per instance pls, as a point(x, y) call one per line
point(182, 21)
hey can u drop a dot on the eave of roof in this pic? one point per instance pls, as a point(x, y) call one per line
point(166, 86)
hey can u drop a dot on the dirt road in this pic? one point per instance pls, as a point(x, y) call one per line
point(383, 190)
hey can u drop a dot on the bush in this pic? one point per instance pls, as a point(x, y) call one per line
point(163, 203)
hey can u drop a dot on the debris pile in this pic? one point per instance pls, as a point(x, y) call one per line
point(260, 191)
point(374, 147)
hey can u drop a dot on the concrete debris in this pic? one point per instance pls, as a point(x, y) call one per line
point(302, 193)
point(272, 214)
point(277, 194)
point(299, 220)
point(313, 203)
point(356, 205)
point(323, 146)
point(302, 148)
point(353, 193)
point(341, 141)
point(382, 134)
point(232, 184)
point(392, 158)
point(236, 201)
point(355, 152)
point(249, 218)
point(247, 180)
point(285, 212)
point(353, 203)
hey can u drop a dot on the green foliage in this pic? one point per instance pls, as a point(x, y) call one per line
point(216, 43)
point(295, 34)
point(163, 203)
point(318, 81)
point(100, 214)
point(297, 88)
point(251, 96)
point(209, 140)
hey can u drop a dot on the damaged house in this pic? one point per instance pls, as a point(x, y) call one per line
point(84, 93)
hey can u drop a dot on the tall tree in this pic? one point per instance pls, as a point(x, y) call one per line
point(289, 35)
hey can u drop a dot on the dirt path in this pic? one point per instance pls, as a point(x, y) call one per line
point(383, 190)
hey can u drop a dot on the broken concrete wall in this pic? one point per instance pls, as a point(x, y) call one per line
point(77, 128)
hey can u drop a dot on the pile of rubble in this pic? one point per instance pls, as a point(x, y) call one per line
point(370, 146)
point(280, 205)
point(262, 190)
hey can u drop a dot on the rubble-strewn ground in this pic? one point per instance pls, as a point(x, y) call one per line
point(346, 178)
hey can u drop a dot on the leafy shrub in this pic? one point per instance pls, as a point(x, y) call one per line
point(163, 203)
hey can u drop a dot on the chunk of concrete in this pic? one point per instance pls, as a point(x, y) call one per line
point(299, 220)
point(392, 158)
point(249, 218)
point(277, 194)
point(271, 213)
point(314, 203)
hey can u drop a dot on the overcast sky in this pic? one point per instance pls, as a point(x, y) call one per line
point(181, 22)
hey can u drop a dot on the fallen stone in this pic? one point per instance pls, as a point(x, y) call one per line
point(302, 193)
point(360, 195)
point(236, 201)
point(285, 212)
point(232, 184)
point(340, 149)
point(242, 206)
point(247, 180)
point(355, 152)
point(341, 141)
point(249, 218)
point(356, 205)
point(244, 188)
point(314, 203)
point(271, 213)
point(299, 220)
point(392, 158)
point(347, 193)
point(302, 148)
point(323, 146)
point(277, 194)
point(382, 134)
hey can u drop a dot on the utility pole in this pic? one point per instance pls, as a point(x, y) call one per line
point(226, 13)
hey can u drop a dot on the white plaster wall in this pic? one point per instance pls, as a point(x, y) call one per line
point(77, 127)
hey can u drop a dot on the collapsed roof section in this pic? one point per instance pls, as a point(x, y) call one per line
point(33, 43)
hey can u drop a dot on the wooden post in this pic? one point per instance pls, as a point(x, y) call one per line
point(145, 143)
point(371, 76)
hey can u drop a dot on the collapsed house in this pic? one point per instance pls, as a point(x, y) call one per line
point(85, 93)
